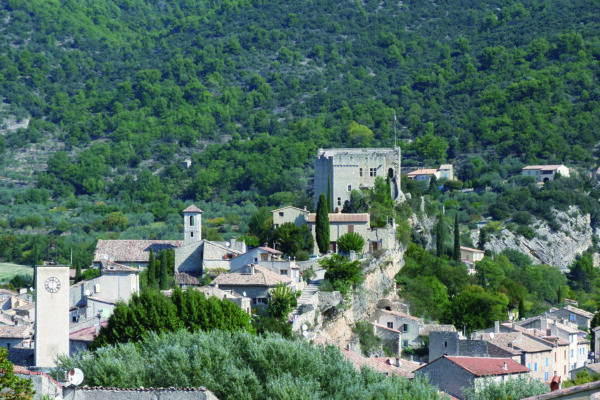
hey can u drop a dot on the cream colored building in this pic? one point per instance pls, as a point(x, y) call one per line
point(52, 314)
point(544, 173)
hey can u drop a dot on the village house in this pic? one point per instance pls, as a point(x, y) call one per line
point(132, 253)
point(445, 171)
point(452, 343)
point(343, 170)
point(454, 374)
point(574, 315)
point(592, 369)
point(245, 303)
point(340, 224)
point(251, 281)
point(545, 173)
point(470, 256)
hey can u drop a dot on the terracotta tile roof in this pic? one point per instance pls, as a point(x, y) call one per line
point(86, 334)
point(399, 314)
point(109, 266)
point(342, 217)
point(192, 209)
point(386, 328)
point(270, 250)
point(131, 250)
point(20, 370)
point(486, 366)
point(292, 207)
point(15, 332)
point(436, 328)
point(381, 364)
point(543, 167)
point(517, 341)
point(8, 292)
point(424, 171)
point(261, 277)
point(579, 311)
point(465, 248)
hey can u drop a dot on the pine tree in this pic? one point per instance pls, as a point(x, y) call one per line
point(456, 238)
point(151, 271)
point(322, 225)
point(329, 196)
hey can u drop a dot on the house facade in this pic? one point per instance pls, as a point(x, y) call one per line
point(343, 170)
point(470, 256)
point(574, 315)
point(445, 171)
point(545, 173)
point(454, 374)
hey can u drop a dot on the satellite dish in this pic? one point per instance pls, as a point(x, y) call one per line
point(88, 293)
point(492, 336)
point(75, 376)
point(244, 294)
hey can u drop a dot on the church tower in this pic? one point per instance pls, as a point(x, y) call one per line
point(51, 313)
point(192, 225)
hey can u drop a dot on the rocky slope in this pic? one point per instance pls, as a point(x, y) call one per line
point(557, 248)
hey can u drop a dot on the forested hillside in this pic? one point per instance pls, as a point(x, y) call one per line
point(114, 94)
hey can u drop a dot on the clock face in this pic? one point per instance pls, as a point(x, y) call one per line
point(52, 284)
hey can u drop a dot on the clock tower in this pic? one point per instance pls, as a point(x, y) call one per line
point(51, 313)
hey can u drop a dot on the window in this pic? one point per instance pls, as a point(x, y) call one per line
point(405, 343)
point(350, 228)
point(547, 361)
point(372, 171)
point(390, 325)
point(349, 188)
point(404, 327)
point(360, 172)
point(261, 300)
point(388, 308)
point(546, 376)
point(191, 220)
point(339, 201)
point(283, 272)
point(281, 213)
point(572, 317)
point(535, 366)
point(191, 234)
point(572, 355)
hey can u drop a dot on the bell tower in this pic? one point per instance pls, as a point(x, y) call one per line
point(192, 225)
point(51, 313)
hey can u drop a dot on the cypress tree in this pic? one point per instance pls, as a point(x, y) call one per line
point(329, 196)
point(322, 225)
point(521, 309)
point(456, 238)
point(440, 236)
point(482, 239)
point(151, 271)
point(163, 278)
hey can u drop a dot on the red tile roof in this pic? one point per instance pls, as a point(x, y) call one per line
point(341, 217)
point(543, 167)
point(86, 334)
point(485, 366)
point(260, 277)
point(270, 250)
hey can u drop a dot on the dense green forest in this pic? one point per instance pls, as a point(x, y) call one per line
point(117, 93)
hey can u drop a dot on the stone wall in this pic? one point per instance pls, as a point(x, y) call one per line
point(138, 394)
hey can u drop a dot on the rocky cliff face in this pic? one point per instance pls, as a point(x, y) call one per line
point(379, 284)
point(557, 248)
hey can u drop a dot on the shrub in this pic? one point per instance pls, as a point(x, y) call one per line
point(351, 241)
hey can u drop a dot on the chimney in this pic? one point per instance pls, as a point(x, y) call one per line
point(496, 326)
point(398, 362)
point(505, 367)
point(252, 269)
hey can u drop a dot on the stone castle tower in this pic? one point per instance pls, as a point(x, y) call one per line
point(192, 225)
point(347, 169)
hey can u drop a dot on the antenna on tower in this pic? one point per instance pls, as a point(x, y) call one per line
point(395, 129)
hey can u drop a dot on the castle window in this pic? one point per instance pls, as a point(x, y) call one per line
point(372, 171)
point(349, 188)
point(339, 201)
point(360, 172)
point(191, 220)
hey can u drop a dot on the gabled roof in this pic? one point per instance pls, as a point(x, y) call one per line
point(465, 248)
point(399, 314)
point(424, 171)
point(192, 209)
point(342, 217)
point(131, 250)
point(109, 266)
point(290, 207)
point(222, 247)
point(424, 331)
point(260, 277)
point(543, 167)
point(485, 366)
point(15, 332)
point(270, 250)
point(518, 341)
point(86, 334)
point(579, 311)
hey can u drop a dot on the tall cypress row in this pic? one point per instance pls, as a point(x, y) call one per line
point(322, 225)
point(456, 238)
point(151, 271)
